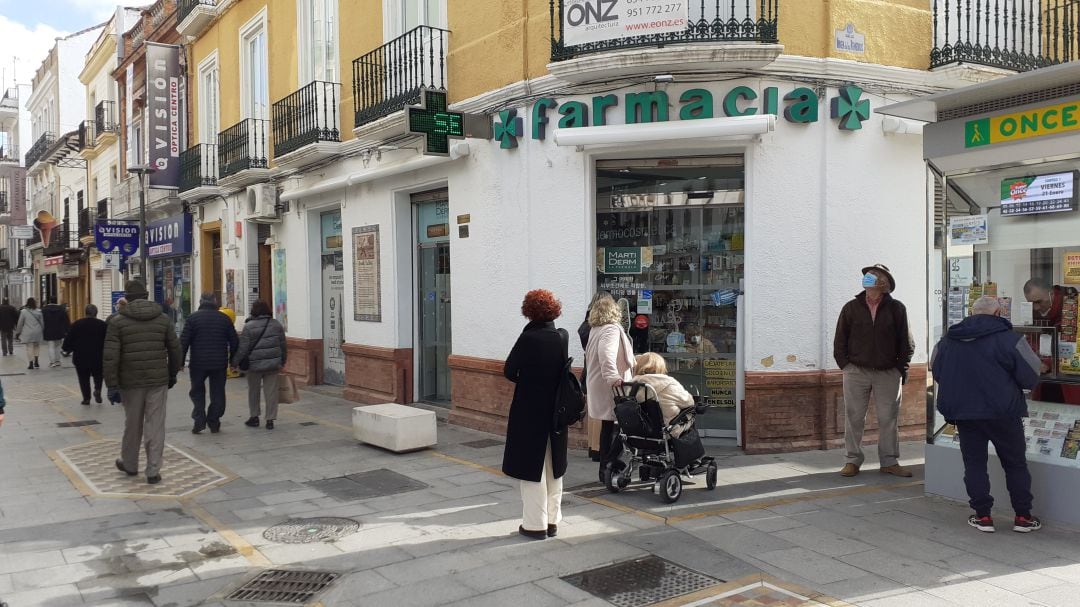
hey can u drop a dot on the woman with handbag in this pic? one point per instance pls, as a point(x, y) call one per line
point(261, 355)
point(535, 451)
point(609, 356)
point(30, 330)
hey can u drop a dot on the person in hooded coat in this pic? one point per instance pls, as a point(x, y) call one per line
point(30, 330)
point(535, 451)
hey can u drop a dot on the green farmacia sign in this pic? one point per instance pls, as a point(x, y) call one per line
point(799, 106)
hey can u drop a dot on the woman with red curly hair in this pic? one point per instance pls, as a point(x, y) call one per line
point(535, 450)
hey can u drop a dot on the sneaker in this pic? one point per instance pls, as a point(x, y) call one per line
point(1026, 524)
point(982, 523)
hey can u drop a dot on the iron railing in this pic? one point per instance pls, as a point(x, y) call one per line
point(708, 21)
point(308, 116)
point(390, 77)
point(105, 117)
point(185, 7)
point(242, 147)
point(4, 208)
point(198, 167)
point(10, 99)
point(62, 239)
point(9, 152)
point(1019, 35)
point(39, 148)
point(86, 222)
point(87, 134)
point(35, 238)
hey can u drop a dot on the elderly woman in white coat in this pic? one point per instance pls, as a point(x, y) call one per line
point(30, 330)
point(609, 357)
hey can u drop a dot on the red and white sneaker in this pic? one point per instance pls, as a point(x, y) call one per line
point(982, 523)
point(1026, 524)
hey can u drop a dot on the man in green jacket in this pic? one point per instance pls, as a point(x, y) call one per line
point(141, 360)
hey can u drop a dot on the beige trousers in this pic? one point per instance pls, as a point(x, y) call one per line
point(542, 501)
point(859, 384)
point(144, 410)
point(267, 381)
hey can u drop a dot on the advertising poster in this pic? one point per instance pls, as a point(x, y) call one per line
point(367, 290)
point(281, 310)
point(333, 292)
point(1039, 194)
point(624, 260)
point(587, 21)
point(968, 230)
point(230, 289)
point(163, 94)
point(1072, 267)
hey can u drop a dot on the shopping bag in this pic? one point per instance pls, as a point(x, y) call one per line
point(287, 392)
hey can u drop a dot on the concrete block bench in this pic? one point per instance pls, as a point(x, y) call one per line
point(397, 428)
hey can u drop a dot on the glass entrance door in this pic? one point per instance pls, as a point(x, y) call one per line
point(433, 286)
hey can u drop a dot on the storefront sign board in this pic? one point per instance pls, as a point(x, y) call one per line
point(120, 236)
point(111, 261)
point(53, 261)
point(968, 230)
point(23, 232)
point(587, 21)
point(163, 95)
point(625, 260)
point(67, 270)
point(367, 288)
point(1035, 194)
point(168, 237)
point(1038, 122)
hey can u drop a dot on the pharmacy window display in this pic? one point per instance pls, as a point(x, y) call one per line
point(1014, 234)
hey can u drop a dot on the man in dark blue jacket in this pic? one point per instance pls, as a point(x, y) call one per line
point(212, 339)
point(982, 369)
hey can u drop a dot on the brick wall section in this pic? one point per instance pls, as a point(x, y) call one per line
point(305, 361)
point(378, 375)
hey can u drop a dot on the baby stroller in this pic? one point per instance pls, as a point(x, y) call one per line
point(653, 452)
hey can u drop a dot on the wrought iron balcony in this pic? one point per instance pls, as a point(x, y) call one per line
point(310, 115)
point(198, 167)
point(87, 135)
point(105, 117)
point(86, 222)
point(62, 239)
point(10, 100)
point(242, 147)
point(390, 77)
point(185, 7)
point(709, 21)
point(39, 148)
point(1019, 35)
point(35, 238)
point(4, 208)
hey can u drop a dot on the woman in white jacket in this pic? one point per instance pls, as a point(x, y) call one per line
point(652, 370)
point(609, 357)
point(30, 330)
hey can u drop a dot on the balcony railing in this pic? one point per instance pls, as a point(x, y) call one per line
point(35, 238)
point(198, 167)
point(709, 21)
point(391, 76)
point(105, 117)
point(10, 99)
point(87, 134)
point(9, 152)
point(242, 147)
point(308, 116)
point(184, 8)
point(86, 222)
point(39, 148)
point(1019, 35)
point(62, 239)
point(4, 208)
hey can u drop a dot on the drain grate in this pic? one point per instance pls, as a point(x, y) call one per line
point(483, 443)
point(284, 586)
point(640, 582)
point(311, 530)
point(78, 424)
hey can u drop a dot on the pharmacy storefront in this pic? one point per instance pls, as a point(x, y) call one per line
point(1009, 227)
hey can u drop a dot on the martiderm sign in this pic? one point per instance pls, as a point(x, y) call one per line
point(1050, 120)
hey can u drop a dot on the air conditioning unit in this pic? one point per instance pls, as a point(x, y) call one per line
point(262, 203)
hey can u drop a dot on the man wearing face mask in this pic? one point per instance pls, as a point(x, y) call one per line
point(873, 346)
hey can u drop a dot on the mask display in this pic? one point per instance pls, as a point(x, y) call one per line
point(869, 280)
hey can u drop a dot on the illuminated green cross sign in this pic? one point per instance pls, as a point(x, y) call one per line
point(850, 108)
point(432, 120)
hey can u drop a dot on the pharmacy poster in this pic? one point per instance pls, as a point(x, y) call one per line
point(586, 21)
point(968, 230)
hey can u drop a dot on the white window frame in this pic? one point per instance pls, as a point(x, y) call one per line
point(255, 26)
point(208, 132)
point(394, 17)
point(306, 72)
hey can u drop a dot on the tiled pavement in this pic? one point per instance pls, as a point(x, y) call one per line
point(782, 528)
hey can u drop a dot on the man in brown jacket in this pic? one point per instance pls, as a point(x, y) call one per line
point(873, 346)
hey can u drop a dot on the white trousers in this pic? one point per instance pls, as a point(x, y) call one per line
point(542, 501)
point(54, 351)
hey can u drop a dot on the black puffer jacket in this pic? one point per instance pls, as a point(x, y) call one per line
point(56, 322)
point(210, 337)
point(263, 342)
point(141, 349)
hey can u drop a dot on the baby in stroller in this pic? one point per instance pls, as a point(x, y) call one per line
point(656, 427)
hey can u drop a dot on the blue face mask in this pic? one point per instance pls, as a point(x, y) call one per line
point(869, 280)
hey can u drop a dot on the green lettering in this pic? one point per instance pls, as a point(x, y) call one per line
point(772, 101)
point(699, 104)
point(1008, 127)
point(575, 114)
point(731, 101)
point(539, 117)
point(1029, 123)
point(646, 107)
point(804, 110)
point(1068, 116)
point(599, 104)
point(1047, 123)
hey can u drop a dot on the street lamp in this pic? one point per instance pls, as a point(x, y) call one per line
point(142, 170)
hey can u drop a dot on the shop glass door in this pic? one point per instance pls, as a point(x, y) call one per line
point(669, 243)
point(433, 283)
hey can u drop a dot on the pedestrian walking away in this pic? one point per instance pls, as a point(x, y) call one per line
point(9, 317)
point(982, 369)
point(211, 339)
point(609, 357)
point(535, 450)
point(57, 324)
point(261, 354)
point(873, 347)
point(141, 360)
point(86, 341)
point(30, 331)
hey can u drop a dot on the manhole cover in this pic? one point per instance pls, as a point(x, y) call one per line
point(78, 424)
point(310, 530)
point(483, 443)
point(365, 485)
point(640, 582)
point(283, 586)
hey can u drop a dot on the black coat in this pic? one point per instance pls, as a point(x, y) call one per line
point(9, 316)
point(211, 338)
point(535, 365)
point(56, 322)
point(86, 340)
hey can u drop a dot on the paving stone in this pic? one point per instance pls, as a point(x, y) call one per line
point(66, 594)
point(810, 565)
point(430, 567)
point(525, 595)
point(823, 542)
point(978, 593)
point(1001, 575)
point(421, 592)
point(900, 569)
point(354, 585)
point(13, 563)
point(1064, 595)
point(762, 521)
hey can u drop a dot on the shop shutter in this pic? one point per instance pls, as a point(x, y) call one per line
point(253, 283)
point(939, 212)
point(105, 288)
